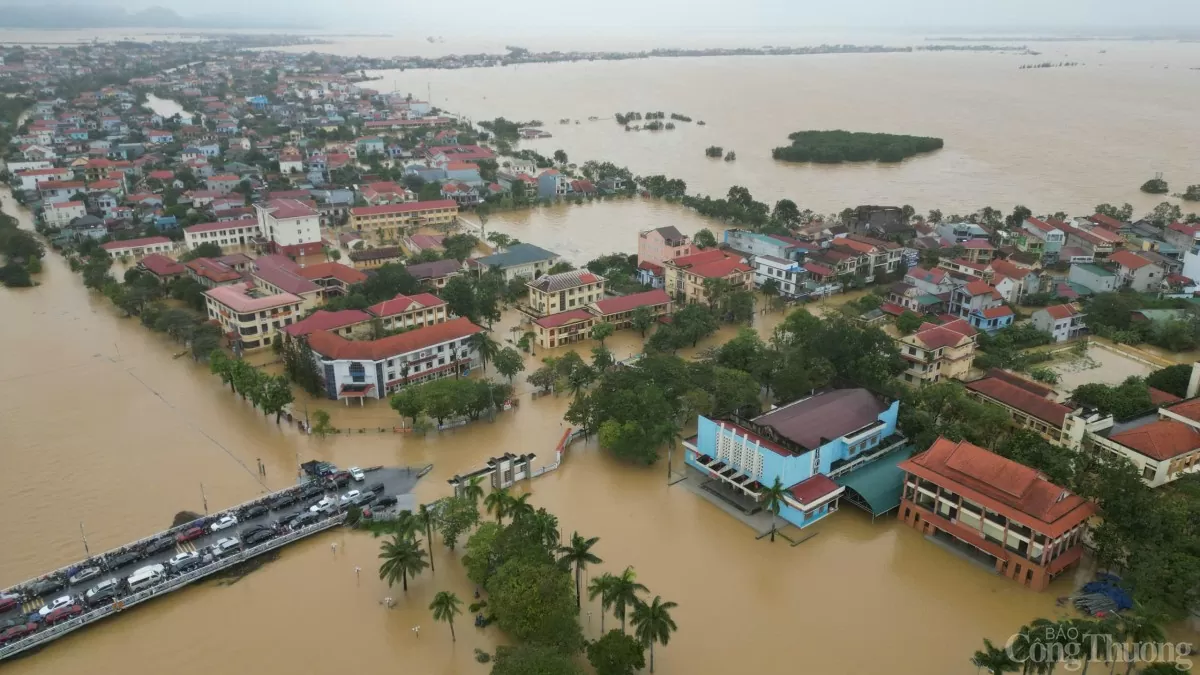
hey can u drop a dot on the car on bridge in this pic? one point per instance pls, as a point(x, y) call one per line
point(85, 574)
point(190, 534)
point(54, 604)
point(17, 632)
point(64, 613)
point(224, 523)
point(357, 474)
point(182, 562)
point(102, 592)
point(350, 496)
point(7, 602)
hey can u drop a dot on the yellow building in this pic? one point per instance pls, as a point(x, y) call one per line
point(554, 293)
point(390, 222)
point(250, 317)
point(685, 276)
point(935, 353)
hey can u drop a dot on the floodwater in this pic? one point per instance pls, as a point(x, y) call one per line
point(1051, 139)
point(102, 426)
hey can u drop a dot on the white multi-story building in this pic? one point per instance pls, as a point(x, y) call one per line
point(251, 318)
point(225, 233)
point(376, 368)
point(62, 213)
point(293, 227)
point(788, 274)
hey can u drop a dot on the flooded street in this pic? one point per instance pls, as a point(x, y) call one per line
point(103, 426)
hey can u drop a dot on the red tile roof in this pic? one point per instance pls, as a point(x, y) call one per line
point(978, 288)
point(1021, 399)
point(936, 337)
point(1129, 259)
point(328, 270)
point(1189, 409)
point(625, 303)
point(213, 270)
point(1018, 381)
point(997, 312)
point(407, 207)
point(1062, 311)
point(563, 318)
point(1011, 489)
point(1040, 224)
point(405, 303)
point(290, 208)
point(819, 270)
point(161, 265)
point(134, 243)
point(336, 347)
point(1161, 398)
point(1106, 222)
point(813, 488)
point(1161, 440)
point(323, 320)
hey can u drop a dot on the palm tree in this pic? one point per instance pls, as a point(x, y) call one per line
point(602, 586)
point(1140, 626)
point(487, 348)
point(446, 606)
point(579, 553)
point(401, 557)
point(545, 524)
point(498, 501)
point(1020, 649)
point(774, 497)
point(624, 593)
point(672, 433)
point(519, 507)
point(425, 519)
point(652, 623)
point(473, 490)
point(405, 525)
point(994, 659)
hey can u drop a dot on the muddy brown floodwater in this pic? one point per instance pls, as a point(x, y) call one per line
point(102, 426)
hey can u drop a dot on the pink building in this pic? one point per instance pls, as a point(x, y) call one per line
point(662, 244)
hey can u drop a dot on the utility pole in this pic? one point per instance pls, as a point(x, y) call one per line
point(83, 534)
point(205, 498)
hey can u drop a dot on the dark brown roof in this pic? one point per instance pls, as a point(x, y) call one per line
point(816, 420)
point(1016, 380)
point(1021, 399)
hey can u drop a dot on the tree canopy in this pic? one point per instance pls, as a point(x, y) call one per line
point(847, 146)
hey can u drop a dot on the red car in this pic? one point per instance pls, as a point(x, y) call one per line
point(8, 602)
point(17, 632)
point(63, 613)
point(190, 534)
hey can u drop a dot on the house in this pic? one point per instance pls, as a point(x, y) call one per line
point(292, 226)
point(982, 306)
point(1029, 528)
point(685, 276)
point(423, 242)
point(805, 445)
point(376, 257)
point(358, 369)
point(162, 267)
point(553, 293)
point(463, 194)
point(213, 272)
point(664, 243)
point(370, 145)
point(1025, 281)
point(391, 221)
point(978, 251)
point(31, 179)
point(290, 162)
point(464, 172)
point(277, 274)
point(61, 191)
point(563, 328)
point(907, 297)
point(435, 274)
point(250, 317)
point(348, 323)
point(881, 222)
point(1049, 233)
point(938, 352)
point(519, 260)
point(756, 244)
point(931, 281)
point(405, 311)
point(138, 247)
point(1062, 322)
point(223, 183)
point(552, 184)
point(1136, 272)
point(788, 275)
point(86, 226)
point(375, 194)
point(619, 310)
point(335, 279)
point(1098, 241)
point(1030, 407)
point(1093, 277)
point(60, 214)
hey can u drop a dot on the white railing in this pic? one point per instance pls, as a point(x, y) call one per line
point(54, 632)
point(14, 589)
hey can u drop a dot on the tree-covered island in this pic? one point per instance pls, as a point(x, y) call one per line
point(831, 147)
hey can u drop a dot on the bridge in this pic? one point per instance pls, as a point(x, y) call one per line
point(281, 508)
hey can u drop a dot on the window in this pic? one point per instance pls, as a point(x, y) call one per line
point(357, 372)
point(1148, 472)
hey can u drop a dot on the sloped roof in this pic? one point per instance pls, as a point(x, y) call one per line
point(1012, 489)
point(563, 318)
point(517, 254)
point(552, 283)
point(323, 320)
point(405, 303)
point(1062, 311)
point(625, 303)
point(1161, 439)
point(336, 347)
point(432, 270)
point(161, 265)
point(1129, 259)
point(813, 421)
point(326, 270)
point(1021, 399)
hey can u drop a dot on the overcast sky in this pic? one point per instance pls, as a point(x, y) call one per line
point(526, 17)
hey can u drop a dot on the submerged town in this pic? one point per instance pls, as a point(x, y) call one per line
point(1018, 388)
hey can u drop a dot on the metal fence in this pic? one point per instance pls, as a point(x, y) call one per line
point(54, 632)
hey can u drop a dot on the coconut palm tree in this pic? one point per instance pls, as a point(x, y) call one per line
point(405, 525)
point(1020, 649)
point(545, 524)
point(519, 507)
point(1041, 650)
point(425, 518)
point(487, 348)
point(672, 433)
point(994, 659)
point(473, 490)
point(497, 501)
point(652, 623)
point(774, 497)
point(1138, 627)
point(624, 593)
point(401, 557)
point(579, 553)
point(602, 586)
point(445, 607)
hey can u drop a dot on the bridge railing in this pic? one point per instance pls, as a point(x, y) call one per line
point(58, 630)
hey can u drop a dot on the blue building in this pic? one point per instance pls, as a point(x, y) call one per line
point(813, 446)
point(774, 245)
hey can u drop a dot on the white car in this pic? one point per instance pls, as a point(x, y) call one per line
point(64, 601)
point(350, 496)
point(180, 558)
point(224, 523)
point(327, 504)
point(357, 474)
